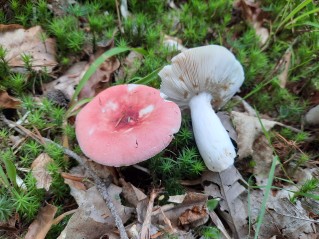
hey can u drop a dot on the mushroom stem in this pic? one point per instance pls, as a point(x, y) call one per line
point(212, 139)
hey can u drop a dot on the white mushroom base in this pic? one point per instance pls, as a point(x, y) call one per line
point(212, 139)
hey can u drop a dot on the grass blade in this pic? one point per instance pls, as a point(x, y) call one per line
point(96, 64)
point(294, 12)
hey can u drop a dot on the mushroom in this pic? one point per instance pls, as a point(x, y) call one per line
point(197, 78)
point(126, 124)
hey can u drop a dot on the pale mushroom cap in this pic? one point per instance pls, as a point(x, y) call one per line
point(212, 68)
point(126, 124)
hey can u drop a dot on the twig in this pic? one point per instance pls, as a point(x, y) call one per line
point(145, 231)
point(100, 185)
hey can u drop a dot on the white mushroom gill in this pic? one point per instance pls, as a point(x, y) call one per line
point(196, 78)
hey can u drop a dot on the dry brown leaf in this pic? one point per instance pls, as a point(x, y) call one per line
point(74, 181)
point(130, 66)
point(263, 157)
point(68, 82)
point(40, 172)
point(194, 217)
point(173, 212)
point(131, 194)
point(71, 78)
point(29, 42)
point(227, 186)
point(10, 27)
point(248, 129)
point(101, 75)
point(93, 219)
point(7, 101)
point(254, 15)
point(42, 224)
point(282, 218)
point(285, 64)
point(218, 223)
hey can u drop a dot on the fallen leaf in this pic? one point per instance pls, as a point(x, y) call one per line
point(227, 186)
point(130, 66)
point(263, 157)
point(177, 198)
point(42, 224)
point(194, 217)
point(7, 101)
point(173, 43)
point(68, 82)
point(40, 172)
point(172, 211)
point(248, 128)
point(131, 194)
point(282, 218)
point(10, 27)
point(101, 75)
point(254, 15)
point(93, 219)
point(29, 42)
point(71, 78)
point(285, 64)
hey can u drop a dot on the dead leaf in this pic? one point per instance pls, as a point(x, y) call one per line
point(227, 186)
point(40, 172)
point(194, 217)
point(93, 219)
point(71, 78)
point(248, 129)
point(130, 66)
point(29, 42)
point(173, 43)
point(101, 75)
point(177, 198)
point(218, 223)
point(131, 194)
point(8, 102)
point(254, 15)
point(10, 27)
point(68, 82)
point(285, 64)
point(282, 218)
point(42, 224)
point(263, 157)
point(173, 212)
point(74, 181)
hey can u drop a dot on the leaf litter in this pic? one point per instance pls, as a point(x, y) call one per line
point(181, 213)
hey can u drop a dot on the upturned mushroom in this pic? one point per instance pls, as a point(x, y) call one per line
point(204, 79)
point(126, 124)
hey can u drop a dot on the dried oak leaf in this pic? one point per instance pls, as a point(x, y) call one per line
point(42, 224)
point(40, 172)
point(283, 218)
point(227, 186)
point(254, 15)
point(248, 129)
point(7, 101)
point(196, 216)
point(18, 41)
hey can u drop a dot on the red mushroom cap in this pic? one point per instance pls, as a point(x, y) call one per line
point(126, 124)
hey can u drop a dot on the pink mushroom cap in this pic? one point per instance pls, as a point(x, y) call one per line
point(126, 124)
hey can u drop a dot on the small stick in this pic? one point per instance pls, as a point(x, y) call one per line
point(145, 232)
point(100, 185)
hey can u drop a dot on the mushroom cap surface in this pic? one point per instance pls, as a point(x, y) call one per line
point(126, 124)
point(211, 68)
